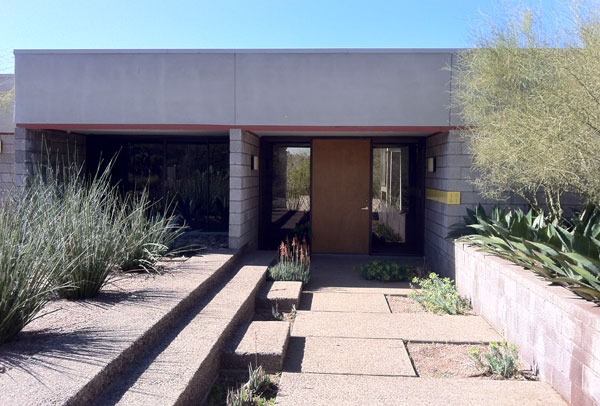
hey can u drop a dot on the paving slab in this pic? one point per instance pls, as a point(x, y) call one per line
point(264, 342)
point(284, 294)
point(344, 302)
point(332, 389)
point(423, 327)
point(348, 356)
point(341, 273)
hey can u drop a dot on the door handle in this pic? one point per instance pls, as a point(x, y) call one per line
point(365, 208)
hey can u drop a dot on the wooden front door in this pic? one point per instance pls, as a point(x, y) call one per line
point(341, 179)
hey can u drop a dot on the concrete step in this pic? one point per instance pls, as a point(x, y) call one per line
point(258, 343)
point(180, 369)
point(279, 294)
point(74, 352)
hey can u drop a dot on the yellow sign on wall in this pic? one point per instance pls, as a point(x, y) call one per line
point(443, 196)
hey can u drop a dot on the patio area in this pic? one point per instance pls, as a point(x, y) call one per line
point(348, 347)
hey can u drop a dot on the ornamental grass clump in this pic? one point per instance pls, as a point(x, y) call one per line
point(294, 262)
point(31, 261)
point(439, 295)
point(147, 236)
point(90, 226)
point(501, 361)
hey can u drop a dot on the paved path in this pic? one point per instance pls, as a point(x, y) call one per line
point(347, 348)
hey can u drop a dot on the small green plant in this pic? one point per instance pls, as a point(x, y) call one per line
point(294, 262)
point(502, 360)
point(387, 271)
point(240, 397)
point(438, 295)
point(277, 315)
point(259, 382)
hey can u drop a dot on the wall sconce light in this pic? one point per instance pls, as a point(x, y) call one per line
point(431, 164)
point(254, 162)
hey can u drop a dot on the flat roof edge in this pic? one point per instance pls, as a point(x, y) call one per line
point(245, 51)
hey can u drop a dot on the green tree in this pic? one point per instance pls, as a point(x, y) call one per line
point(532, 107)
point(7, 99)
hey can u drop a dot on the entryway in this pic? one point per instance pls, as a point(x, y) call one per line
point(345, 195)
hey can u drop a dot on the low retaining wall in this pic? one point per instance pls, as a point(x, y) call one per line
point(557, 333)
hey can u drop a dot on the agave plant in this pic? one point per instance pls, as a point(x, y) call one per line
point(568, 255)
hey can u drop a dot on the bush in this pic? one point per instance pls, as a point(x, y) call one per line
point(294, 262)
point(568, 255)
point(387, 271)
point(502, 359)
point(31, 261)
point(147, 236)
point(439, 295)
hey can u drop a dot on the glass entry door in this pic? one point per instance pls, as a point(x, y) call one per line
point(394, 200)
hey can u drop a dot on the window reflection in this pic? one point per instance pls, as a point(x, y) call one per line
point(290, 193)
point(390, 198)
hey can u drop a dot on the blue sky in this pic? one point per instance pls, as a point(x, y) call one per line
point(74, 24)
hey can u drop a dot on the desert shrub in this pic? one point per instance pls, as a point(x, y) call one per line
point(259, 382)
point(439, 295)
point(90, 227)
point(294, 262)
point(502, 360)
point(240, 397)
point(568, 255)
point(147, 236)
point(31, 261)
point(387, 270)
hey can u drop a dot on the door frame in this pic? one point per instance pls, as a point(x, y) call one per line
point(418, 169)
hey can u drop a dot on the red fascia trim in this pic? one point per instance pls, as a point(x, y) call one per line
point(212, 127)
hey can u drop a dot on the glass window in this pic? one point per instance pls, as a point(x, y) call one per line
point(390, 198)
point(290, 193)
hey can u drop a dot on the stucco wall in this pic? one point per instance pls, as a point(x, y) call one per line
point(243, 189)
point(556, 332)
point(252, 87)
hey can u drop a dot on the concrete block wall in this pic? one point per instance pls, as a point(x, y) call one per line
point(243, 189)
point(557, 333)
point(7, 162)
point(453, 172)
point(35, 146)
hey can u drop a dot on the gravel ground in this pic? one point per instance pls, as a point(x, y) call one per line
point(444, 360)
point(404, 304)
point(88, 330)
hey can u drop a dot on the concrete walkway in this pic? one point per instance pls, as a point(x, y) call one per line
point(347, 348)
